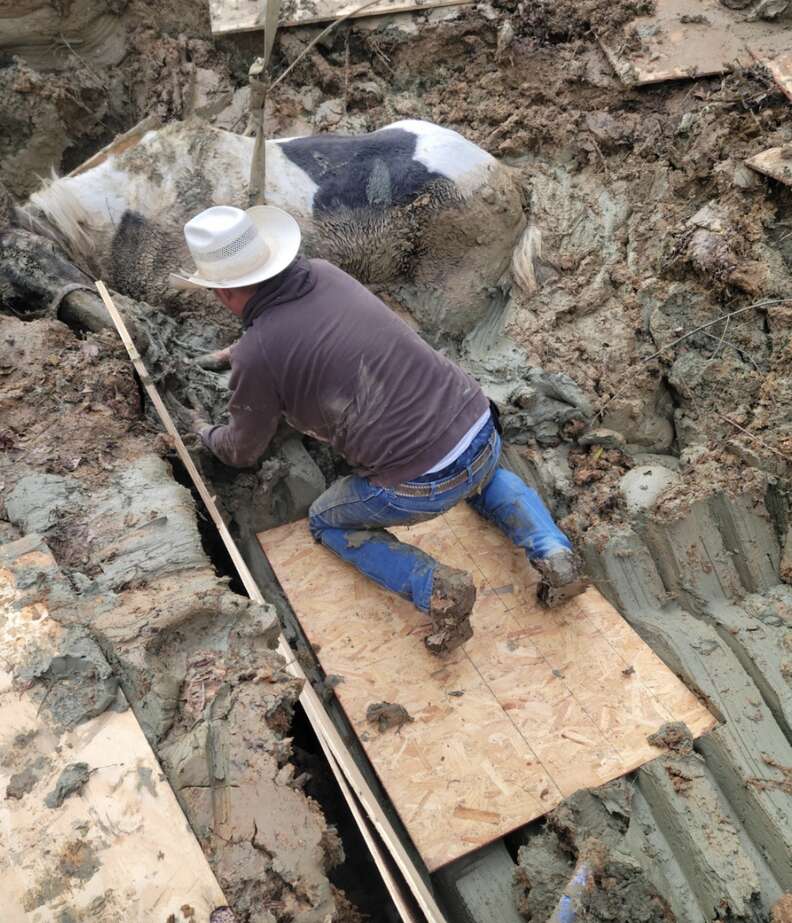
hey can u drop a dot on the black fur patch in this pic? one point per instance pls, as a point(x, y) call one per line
point(373, 171)
point(141, 254)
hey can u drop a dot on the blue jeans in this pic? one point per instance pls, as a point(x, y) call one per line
point(350, 518)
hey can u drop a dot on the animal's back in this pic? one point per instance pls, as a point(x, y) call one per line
point(413, 205)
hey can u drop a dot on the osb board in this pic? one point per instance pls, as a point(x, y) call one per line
point(537, 705)
point(121, 849)
point(781, 68)
point(776, 162)
point(249, 15)
point(672, 48)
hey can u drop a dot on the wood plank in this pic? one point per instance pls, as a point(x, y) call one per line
point(775, 163)
point(538, 704)
point(249, 15)
point(781, 69)
point(120, 848)
point(689, 38)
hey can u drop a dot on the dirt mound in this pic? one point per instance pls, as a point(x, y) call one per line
point(620, 892)
point(654, 272)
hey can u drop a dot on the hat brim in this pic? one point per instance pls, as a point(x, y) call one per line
point(282, 234)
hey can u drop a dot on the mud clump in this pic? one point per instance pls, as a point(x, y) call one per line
point(387, 715)
point(23, 782)
point(674, 736)
point(70, 782)
point(588, 829)
point(78, 684)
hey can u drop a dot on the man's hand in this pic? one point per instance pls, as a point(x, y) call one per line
point(189, 420)
point(195, 422)
point(218, 361)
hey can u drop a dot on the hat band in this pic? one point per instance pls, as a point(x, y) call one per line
point(240, 262)
point(231, 248)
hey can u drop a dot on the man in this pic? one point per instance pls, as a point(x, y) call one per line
point(322, 351)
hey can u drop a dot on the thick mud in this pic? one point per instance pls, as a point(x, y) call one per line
point(652, 285)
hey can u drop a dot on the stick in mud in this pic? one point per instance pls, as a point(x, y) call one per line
point(351, 781)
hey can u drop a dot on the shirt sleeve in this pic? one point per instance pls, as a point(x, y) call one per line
point(254, 410)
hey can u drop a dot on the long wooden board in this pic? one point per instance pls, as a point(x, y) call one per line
point(121, 848)
point(249, 15)
point(689, 38)
point(537, 705)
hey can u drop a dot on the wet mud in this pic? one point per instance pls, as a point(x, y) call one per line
point(638, 349)
point(386, 716)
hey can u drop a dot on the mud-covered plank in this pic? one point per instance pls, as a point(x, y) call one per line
point(249, 15)
point(781, 69)
point(690, 38)
point(89, 827)
point(775, 163)
point(537, 705)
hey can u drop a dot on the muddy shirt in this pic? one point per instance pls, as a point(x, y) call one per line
point(320, 350)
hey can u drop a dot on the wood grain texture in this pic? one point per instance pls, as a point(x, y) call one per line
point(535, 706)
point(691, 38)
point(775, 162)
point(781, 69)
point(249, 15)
point(119, 849)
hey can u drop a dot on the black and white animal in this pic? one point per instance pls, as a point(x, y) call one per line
point(413, 208)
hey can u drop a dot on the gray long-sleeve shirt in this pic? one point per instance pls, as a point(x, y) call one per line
point(325, 353)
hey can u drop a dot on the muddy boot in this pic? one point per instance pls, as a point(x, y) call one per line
point(453, 596)
point(561, 578)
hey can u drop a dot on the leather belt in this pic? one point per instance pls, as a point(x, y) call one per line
point(436, 487)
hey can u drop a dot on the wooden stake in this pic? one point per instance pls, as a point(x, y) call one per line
point(259, 86)
point(350, 779)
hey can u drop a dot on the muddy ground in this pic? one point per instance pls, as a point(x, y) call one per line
point(644, 224)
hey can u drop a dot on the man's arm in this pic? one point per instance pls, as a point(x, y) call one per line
point(218, 361)
point(254, 411)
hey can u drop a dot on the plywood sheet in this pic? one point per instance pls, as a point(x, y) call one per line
point(775, 162)
point(688, 38)
point(535, 706)
point(249, 15)
point(781, 68)
point(120, 849)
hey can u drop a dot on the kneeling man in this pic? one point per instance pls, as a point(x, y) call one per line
point(320, 350)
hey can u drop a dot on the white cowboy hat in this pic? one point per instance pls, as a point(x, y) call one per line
point(232, 248)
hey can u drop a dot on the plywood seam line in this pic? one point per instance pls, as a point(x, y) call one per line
point(347, 773)
point(484, 681)
point(616, 652)
point(550, 667)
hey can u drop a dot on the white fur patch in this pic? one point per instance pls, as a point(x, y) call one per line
point(288, 187)
point(448, 153)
